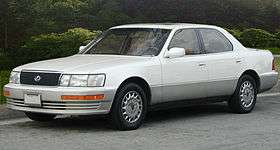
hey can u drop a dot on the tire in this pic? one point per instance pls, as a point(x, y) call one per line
point(245, 96)
point(40, 117)
point(129, 107)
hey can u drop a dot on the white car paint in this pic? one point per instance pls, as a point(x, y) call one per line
point(170, 79)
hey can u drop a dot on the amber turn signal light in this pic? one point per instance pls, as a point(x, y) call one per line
point(83, 97)
point(6, 93)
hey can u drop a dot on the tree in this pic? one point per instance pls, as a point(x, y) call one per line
point(4, 23)
point(21, 19)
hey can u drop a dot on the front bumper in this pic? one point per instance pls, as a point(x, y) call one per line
point(51, 102)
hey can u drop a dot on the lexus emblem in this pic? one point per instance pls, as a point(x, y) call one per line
point(37, 78)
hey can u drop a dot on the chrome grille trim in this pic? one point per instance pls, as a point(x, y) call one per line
point(68, 104)
point(17, 104)
point(71, 105)
point(57, 107)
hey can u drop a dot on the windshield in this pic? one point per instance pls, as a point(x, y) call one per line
point(129, 41)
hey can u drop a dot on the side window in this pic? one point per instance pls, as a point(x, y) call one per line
point(214, 41)
point(186, 39)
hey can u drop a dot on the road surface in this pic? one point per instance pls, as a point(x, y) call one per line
point(209, 127)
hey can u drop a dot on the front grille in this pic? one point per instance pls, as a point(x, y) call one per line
point(39, 78)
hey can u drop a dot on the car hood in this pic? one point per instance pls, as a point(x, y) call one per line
point(82, 63)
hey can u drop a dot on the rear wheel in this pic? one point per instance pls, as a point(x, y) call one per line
point(245, 95)
point(40, 117)
point(129, 107)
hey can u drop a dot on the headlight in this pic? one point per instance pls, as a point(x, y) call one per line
point(97, 80)
point(15, 77)
point(78, 80)
point(64, 80)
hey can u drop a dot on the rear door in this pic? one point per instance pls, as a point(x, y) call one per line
point(223, 62)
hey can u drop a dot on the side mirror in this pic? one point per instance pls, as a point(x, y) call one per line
point(175, 52)
point(81, 48)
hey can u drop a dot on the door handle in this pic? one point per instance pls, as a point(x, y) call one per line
point(238, 61)
point(201, 64)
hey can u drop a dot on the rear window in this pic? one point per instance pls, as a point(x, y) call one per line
point(214, 41)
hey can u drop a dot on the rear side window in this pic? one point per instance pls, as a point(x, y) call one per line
point(187, 39)
point(214, 41)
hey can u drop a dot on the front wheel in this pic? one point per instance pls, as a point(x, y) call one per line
point(40, 117)
point(129, 107)
point(245, 95)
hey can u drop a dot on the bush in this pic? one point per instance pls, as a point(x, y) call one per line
point(4, 79)
point(74, 38)
point(278, 63)
point(1, 51)
point(41, 47)
point(274, 50)
point(236, 33)
point(277, 35)
point(258, 38)
point(47, 46)
point(5, 62)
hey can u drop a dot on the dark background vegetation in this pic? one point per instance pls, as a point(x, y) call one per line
point(32, 30)
point(39, 29)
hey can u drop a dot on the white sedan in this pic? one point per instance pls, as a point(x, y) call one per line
point(132, 68)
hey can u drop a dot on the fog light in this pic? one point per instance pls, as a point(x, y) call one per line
point(83, 97)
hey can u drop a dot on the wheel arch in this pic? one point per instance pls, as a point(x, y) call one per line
point(139, 81)
point(255, 75)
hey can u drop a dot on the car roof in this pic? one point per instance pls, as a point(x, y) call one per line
point(165, 25)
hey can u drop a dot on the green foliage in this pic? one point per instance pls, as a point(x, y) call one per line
point(277, 35)
point(46, 46)
point(74, 38)
point(4, 79)
point(235, 32)
point(274, 50)
point(257, 38)
point(278, 64)
point(26, 18)
point(8, 62)
point(111, 14)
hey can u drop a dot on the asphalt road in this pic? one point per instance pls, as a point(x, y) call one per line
point(209, 127)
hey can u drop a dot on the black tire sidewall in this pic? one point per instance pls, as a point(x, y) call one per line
point(237, 100)
point(116, 114)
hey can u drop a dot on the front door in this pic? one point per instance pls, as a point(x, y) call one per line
point(185, 77)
